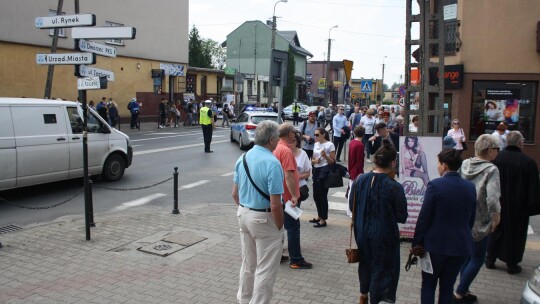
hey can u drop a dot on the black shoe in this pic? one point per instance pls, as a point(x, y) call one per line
point(209, 151)
point(513, 269)
point(319, 225)
point(314, 220)
point(284, 258)
point(490, 263)
point(302, 264)
point(338, 160)
point(467, 298)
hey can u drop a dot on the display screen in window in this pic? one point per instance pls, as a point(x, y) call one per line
point(510, 102)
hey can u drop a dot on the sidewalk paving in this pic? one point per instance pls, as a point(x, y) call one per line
point(53, 263)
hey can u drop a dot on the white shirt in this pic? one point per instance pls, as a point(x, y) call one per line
point(328, 148)
point(368, 124)
point(303, 165)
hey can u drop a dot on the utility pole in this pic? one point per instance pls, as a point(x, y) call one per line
point(327, 91)
point(430, 109)
point(271, 59)
point(50, 69)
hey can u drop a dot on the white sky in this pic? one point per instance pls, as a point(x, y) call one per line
point(368, 30)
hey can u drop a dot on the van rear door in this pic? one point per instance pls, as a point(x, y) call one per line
point(42, 143)
point(8, 152)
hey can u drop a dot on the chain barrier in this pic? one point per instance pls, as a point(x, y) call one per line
point(132, 189)
point(44, 207)
point(81, 190)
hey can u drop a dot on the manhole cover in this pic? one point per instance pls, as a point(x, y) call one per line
point(9, 228)
point(161, 248)
point(184, 238)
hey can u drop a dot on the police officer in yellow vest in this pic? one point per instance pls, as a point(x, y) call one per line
point(295, 113)
point(208, 125)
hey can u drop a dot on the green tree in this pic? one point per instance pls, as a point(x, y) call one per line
point(290, 86)
point(204, 53)
point(199, 56)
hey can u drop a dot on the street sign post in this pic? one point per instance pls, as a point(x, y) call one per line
point(65, 21)
point(66, 58)
point(104, 32)
point(96, 48)
point(86, 71)
point(92, 83)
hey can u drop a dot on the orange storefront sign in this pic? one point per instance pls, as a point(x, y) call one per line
point(415, 76)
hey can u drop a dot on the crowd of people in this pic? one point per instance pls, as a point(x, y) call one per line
point(473, 215)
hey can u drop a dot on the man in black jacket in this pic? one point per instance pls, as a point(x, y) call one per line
point(383, 133)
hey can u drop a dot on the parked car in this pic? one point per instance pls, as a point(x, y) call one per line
point(531, 292)
point(41, 142)
point(243, 127)
point(304, 114)
point(287, 111)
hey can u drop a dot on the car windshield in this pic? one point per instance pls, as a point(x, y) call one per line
point(257, 119)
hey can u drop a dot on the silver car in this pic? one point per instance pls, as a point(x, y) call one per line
point(243, 127)
point(531, 292)
point(287, 111)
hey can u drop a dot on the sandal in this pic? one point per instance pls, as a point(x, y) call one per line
point(314, 220)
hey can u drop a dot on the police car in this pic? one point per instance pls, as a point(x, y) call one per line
point(243, 127)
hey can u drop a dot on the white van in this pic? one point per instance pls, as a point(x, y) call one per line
point(41, 142)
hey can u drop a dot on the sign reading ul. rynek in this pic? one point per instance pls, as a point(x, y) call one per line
point(453, 76)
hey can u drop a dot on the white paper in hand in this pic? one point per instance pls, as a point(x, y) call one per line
point(294, 212)
point(425, 263)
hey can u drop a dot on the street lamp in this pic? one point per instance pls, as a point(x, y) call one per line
point(382, 81)
point(272, 46)
point(328, 67)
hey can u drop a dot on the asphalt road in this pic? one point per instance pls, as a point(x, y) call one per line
point(204, 178)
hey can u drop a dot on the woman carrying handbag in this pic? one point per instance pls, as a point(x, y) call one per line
point(324, 155)
point(458, 135)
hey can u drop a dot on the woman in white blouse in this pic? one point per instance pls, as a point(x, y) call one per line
point(303, 166)
point(457, 134)
point(324, 155)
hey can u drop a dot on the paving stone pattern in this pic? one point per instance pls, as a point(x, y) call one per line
point(53, 263)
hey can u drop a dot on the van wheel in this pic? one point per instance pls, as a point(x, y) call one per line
point(114, 168)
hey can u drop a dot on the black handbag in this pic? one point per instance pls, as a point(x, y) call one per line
point(464, 144)
point(334, 179)
point(304, 193)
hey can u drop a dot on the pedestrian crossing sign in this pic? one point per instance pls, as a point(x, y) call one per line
point(366, 86)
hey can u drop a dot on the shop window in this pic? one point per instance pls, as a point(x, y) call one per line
point(511, 102)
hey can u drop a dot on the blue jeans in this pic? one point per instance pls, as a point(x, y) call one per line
point(472, 265)
point(293, 237)
point(445, 271)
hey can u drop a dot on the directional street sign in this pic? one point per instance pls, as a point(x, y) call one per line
point(104, 32)
point(91, 83)
point(86, 71)
point(66, 58)
point(96, 48)
point(65, 21)
point(402, 90)
point(366, 86)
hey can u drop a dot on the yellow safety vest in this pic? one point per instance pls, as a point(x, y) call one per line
point(204, 119)
point(296, 109)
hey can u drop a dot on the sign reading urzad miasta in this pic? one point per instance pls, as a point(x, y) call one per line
point(67, 58)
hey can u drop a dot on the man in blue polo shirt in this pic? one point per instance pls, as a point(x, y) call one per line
point(260, 215)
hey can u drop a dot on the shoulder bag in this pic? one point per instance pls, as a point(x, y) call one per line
point(463, 144)
point(266, 196)
point(334, 179)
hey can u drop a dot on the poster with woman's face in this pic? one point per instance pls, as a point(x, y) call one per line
point(417, 166)
point(502, 110)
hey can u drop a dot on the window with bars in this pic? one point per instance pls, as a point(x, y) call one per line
point(452, 42)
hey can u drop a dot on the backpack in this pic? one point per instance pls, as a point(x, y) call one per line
point(226, 109)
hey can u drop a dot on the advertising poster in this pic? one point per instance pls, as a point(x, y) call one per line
point(501, 105)
point(417, 166)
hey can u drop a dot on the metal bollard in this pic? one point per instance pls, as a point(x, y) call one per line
point(175, 191)
point(91, 205)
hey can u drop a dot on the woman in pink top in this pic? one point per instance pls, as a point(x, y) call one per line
point(457, 134)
